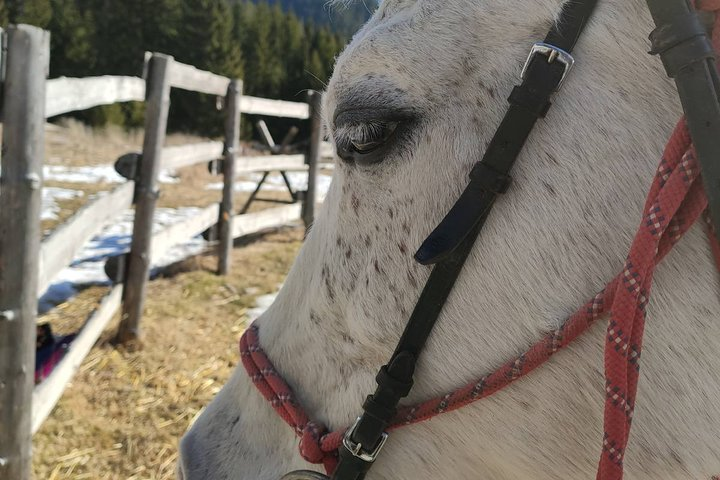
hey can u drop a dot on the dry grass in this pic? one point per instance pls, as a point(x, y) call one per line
point(122, 415)
point(73, 143)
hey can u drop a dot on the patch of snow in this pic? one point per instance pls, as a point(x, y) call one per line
point(262, 303)
point(50, 197)
point(96, 174)
point(88, 268)
point(168, 177)
point(93, 174)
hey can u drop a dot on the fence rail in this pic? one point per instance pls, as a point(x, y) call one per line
point(187, 155)
point(66, 95)
point(48, 393)
point(180, 232)
point(270, 163)
point(60, 249)
point(250, 223)
point(274, 108)
point(187, 77)
point(25, 115)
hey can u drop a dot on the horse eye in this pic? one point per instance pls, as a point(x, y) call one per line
point(371, 136)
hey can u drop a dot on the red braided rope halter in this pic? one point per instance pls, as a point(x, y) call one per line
point(675, 202)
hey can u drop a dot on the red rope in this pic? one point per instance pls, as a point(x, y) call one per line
point(675, 202)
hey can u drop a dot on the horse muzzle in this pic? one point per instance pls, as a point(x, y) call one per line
point(305, 475)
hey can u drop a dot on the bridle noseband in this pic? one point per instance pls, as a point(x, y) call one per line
point(689, 57)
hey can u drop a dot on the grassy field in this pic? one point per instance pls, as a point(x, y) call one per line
point(122, 415)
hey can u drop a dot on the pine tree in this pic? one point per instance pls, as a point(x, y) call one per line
point(206, 38)
point(72, 50)
point(293, 53)
point(3, 13)
point(256, 46)
point(161, 25)
point(119, 36)
point(32, 12)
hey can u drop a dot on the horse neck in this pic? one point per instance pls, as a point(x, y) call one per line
point(551, 243)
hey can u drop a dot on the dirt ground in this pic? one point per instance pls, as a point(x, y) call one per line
point(122, 415)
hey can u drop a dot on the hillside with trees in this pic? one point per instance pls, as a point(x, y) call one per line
point(275, 52)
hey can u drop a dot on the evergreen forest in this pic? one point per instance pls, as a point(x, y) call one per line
point(279, 48)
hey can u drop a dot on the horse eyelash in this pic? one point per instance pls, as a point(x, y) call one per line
point(362, 132)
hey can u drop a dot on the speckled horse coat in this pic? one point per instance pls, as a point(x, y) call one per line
point(554, 240)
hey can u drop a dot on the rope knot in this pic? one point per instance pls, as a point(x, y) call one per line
point(310, 448)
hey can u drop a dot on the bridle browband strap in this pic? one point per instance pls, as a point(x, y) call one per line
point(450, 244)
point(545, 70)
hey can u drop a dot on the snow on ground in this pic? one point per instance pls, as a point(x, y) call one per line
point(80, 175)
point(262, 303)
point(88, 268)
point(114, 239)
point(50, 197)
point(94, 174)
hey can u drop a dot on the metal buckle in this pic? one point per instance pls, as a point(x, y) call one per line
point(357, 449)
point(552, 53)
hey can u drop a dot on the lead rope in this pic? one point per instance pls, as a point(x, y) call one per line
point(675, 202)
point(628, 313)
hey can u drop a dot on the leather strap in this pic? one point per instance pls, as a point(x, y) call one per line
point(450, 244)
point(687, 53)
point(528, 102)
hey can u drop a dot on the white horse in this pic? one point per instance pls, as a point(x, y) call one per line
point(556, 238)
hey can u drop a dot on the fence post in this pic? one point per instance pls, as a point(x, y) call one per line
point(313, 157)
point(23, 152)
point(232, 143)
point(138, 267)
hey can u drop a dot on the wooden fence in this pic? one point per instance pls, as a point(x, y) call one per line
point(28, 265)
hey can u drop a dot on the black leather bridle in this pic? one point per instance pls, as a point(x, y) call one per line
point(686, 51)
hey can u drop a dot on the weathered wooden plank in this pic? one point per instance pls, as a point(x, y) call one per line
point(28, 53)
point(60, 248)
point(232, 143)
point(187, 77)
point(187, 155)
point(273, 217)
point(46, 395)
point(273, 108)
point(313, 157)
point(182, 231)
point(71, 94)
point(270, 163)
point(138, 267)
